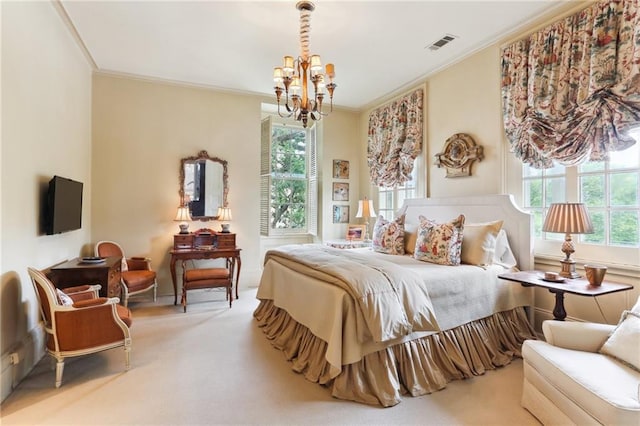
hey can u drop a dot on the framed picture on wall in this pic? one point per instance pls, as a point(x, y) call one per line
point(355, 232)
point(340, 214)
point(340, 191)
point(340, 169)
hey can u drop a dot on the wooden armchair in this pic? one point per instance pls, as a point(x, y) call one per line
point(83, 324)
point(137, 275)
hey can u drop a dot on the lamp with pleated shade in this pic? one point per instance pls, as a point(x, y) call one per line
point(224, 215)
point(365, 210)
point(568, 218)
point(183, 216)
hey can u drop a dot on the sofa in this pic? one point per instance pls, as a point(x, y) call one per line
point(584, 373)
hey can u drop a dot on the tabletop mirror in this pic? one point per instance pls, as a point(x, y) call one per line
point(203, 185)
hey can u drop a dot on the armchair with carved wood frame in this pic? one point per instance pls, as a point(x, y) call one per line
point(90, 324)
point(136, 273)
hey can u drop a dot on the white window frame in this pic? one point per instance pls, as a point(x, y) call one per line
point(266, 178)
point(547, 245)
point(396, 195)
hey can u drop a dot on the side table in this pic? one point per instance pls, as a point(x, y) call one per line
point(579, 286)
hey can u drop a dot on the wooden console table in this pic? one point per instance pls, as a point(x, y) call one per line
point(75, 272)
point(579, 286)
point(205, 244)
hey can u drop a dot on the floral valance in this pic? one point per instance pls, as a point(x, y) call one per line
point(571, 91)
point(395, 140)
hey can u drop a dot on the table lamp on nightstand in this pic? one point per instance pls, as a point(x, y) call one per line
point(365, 209)
point(568, 218)
point(184, 218)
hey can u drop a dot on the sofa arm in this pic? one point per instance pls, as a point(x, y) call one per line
point(579, 336)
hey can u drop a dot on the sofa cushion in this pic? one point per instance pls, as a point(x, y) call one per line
point(600, 385)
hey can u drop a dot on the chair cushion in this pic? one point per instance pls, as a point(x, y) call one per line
point(602, 386)
point(138, 280)
point(206, 274)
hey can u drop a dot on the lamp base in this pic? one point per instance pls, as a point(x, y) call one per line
point(568, 269)
point(225, 228)
point(184, 228)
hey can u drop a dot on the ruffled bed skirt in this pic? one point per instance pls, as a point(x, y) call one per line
point(416, 367)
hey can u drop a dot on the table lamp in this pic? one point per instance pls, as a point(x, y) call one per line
point(365, 209)
point(224, 214)
point(183, 217)
point(568, 218)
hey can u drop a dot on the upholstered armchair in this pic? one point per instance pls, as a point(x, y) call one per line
point(78, 322)
point(137, 275)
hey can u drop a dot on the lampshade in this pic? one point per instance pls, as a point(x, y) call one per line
point(365, 208)
point(224, 214)
point(183, 214)
point(568, 218)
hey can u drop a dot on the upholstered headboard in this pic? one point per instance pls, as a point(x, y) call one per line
point(480, 208)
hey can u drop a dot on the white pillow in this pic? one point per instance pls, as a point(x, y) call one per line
point(64, 298)
point(479, 242)
point(624, 342)
point(503, 254)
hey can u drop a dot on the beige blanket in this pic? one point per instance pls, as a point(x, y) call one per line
point(392, 302)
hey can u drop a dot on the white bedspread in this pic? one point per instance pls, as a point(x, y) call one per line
point(459, 294)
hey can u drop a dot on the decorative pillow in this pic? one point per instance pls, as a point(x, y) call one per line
point(439, 243)
point(479, 242)
point(64, 298)
point(410, 237)
point(503, 254)
point(624, 342)
point(388, 237)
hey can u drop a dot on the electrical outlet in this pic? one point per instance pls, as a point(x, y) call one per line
point(14, 358)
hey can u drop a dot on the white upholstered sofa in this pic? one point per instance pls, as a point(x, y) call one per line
point(567, 380)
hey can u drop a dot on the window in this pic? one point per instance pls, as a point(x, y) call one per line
point(610, 190)
point(288, 179)
point(391, 199)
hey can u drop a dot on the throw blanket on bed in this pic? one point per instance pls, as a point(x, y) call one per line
point(392, 301)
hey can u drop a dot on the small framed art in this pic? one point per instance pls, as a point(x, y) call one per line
point(340, 214)
point(355, 232)
point(340, 191)
point(340, 169)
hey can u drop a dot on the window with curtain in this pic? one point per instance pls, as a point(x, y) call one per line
point(395, 140)
point(571, 91)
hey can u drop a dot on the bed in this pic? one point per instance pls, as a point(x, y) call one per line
point(372, 326)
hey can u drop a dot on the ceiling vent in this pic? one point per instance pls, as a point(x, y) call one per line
point(442, 42)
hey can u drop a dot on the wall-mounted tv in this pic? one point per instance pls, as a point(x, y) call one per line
point(63, 210)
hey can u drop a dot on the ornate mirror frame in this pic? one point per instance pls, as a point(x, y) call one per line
point(202, 157)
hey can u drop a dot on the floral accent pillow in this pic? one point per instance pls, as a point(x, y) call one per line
point(388, 237)
point(439, 243)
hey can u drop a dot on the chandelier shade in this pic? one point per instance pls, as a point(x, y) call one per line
point(293, 77)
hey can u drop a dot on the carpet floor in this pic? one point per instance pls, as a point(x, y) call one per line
point(213, 365)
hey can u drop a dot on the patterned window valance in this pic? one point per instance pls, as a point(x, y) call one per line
point(571, 91)
point(395, 140)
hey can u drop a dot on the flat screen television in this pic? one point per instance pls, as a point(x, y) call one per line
point(63, 206)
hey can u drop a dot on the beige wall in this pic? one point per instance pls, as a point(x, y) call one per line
point(46, 131)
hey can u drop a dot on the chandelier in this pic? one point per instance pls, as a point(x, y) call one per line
point(293, 77)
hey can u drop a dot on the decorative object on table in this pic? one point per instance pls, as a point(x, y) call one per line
point(595, 274)
point(568, 218)
point(365, 210)
point(224, 215)
point(460, 152)
point(340, 214)
point(340, 169)
point(295, 74)
point(340, 191)
point(183, 217)
point(355, 232)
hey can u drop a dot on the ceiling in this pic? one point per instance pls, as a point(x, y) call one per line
point(378, 47)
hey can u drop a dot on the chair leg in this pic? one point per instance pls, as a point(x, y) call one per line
point(155, 291)
point(127, 358)
point(59, 371)
point(184, 300)
point(229, 295)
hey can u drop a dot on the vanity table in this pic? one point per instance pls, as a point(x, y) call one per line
point(205, 244)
